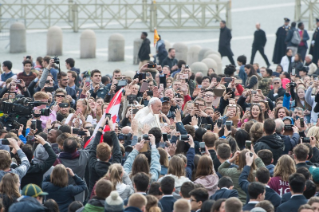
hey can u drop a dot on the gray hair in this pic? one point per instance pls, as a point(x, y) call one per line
point(310, 56)
point(153, 101)
point(279, 125)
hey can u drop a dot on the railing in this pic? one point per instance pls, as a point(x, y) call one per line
point(307, 10)
point(116, 14)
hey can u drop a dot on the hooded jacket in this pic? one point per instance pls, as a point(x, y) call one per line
point(93, 205)
point(27, 204)
point(272, 142)
point(210, 182)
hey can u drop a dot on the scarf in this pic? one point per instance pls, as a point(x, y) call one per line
point(66, 155)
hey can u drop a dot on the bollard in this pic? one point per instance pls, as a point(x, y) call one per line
point(202, 53)
point(87, 44)
point(116, 47)
point(136, 47)
point(181, 51)
point(210, 63)
point(199, 67)
point(17, 38)
point(54, 41)
point(192, 55)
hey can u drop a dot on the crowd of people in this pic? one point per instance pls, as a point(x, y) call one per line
point(244, 140)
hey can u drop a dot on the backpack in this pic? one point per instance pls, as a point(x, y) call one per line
point(295, 38)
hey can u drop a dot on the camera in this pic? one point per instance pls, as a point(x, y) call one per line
point(56, 60)
point(292, 84)
point(184, 137)
point(43, 112)
point(229, 124)
point(288, 127)
point(145, 137)
point(28, 57)
point(151, 65)
point(131, 98)
point(48, 89)
point(124, 137)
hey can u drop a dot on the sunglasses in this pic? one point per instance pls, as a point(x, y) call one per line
point(276, 83)
point(60, 96)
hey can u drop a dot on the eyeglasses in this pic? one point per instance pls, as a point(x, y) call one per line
point(232, 105)
point(276, 83)
point(65, 79)
point(60, 96)
point(207, 95)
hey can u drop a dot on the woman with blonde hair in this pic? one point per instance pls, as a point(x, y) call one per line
point(239, 159)
point(57, 186)
point(205, 174)
point(152, 204)
point(314, 132)
point(256, 131)
point(9, 190)
point(163, 161)
point(123, 185)
point(283, 169)
point(82, 113)
point(231, 114)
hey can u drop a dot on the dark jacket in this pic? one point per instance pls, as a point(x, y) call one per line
point(26, 78)
point(145, 50)
point(63, 196)
point(259, 38)
point(249, 206)
point(290, 143)
point(169, 62)
point(101, 93)
point(7, 201)
point(297, 66)
point(36, 171)
point(167, 203)
point(272, 142)
point(201, 120)
point(27, 204)
point(293, 204)
point(289, 37)
point(224, 193)
point(281, 92)
point(224, 42)
point(132, 209)
point(97, 168)
point(161, 51)
point(270, 195)
point(5, 76)
point(302, 165)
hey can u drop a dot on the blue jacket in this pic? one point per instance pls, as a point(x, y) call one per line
point(224, 193)
point(167, 203)
point(5, 76)
point(248, 206)
point(271, 168)
point(242, 74)
point(63, 196)
point(27, 204)
point(132, 209)
point(155, 168)
point(271, 195)
point(293, 204)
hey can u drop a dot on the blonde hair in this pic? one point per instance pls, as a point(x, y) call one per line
point(163, 157)
point(285, 167)
point(151, 205)
point(314, 132)
point(256, 131)
point(9, 185)
point(87, 108)
point(176, 166)
point(115, 174)
point(59, 176)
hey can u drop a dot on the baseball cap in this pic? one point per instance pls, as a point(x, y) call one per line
point(165, 99)
point(32, 190)
point(315, 174)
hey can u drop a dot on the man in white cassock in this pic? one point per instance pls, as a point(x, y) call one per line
point(149, 115)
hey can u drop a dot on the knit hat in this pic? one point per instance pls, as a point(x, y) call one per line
point(32, 190)
point(114, 203)
point(314, 171)
point(40, 154)
point(258, 209)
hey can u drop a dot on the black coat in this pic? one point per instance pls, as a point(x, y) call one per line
point(314, 50)
point(167, 203)
point(224, 193)
point(259, 38)
point(280, 45)
point(281, 92)
point(272, 142)
point(145, 50)
point(224, 42)
point(293, 204)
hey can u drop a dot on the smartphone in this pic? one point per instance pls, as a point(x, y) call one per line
point(219, 123)
point(149, 93)
point(302, 123)
point(5, 142)
point(288, 127)
point(305, 140)
point(165, 138)
point(229, 124)
point(134, 111)
point(183, 137)
point(49, 89)
point(108, 115)
point(238, 81)
point(228, 79)
point(75, 131)
point(144, 87)
point(218, 92)
point(18, 81)
point(87, 81)
point(63, 105)
point(34, 124)
point(12, 95)
point(141, 76)
point(151, 65)
point(247, 144)
point(81, 132)
point(202, 148)
point(206, 126)
point(196, 105)
point(253, 92)
point(247, 108)
point(293, 72)
point(229, 90)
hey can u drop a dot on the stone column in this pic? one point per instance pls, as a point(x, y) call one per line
point(181, 51)
point(54, 41)
point(116, 47)
point(199, 67)
point(192, 55)
point(17, 38)
point(136, 47)
point(88, 44)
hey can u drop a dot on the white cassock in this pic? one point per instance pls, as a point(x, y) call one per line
point(145, 116)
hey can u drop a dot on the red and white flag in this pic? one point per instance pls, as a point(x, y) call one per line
point(113, 108)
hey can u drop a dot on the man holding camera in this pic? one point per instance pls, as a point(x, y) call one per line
point(27, 76)
point(98, 90)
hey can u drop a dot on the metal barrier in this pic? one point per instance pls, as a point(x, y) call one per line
point(309, 12)
point(116, 14)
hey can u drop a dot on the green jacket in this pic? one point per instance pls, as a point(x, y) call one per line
point(234, 174)
point(94, 205)
point(264, 85)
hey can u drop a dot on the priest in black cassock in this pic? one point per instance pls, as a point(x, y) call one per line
point(224, 42)
point(314, 47)
point(281, 46)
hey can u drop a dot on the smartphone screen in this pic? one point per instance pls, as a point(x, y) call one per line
point(202, 147)
point(144, 87)
point(247, 144)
